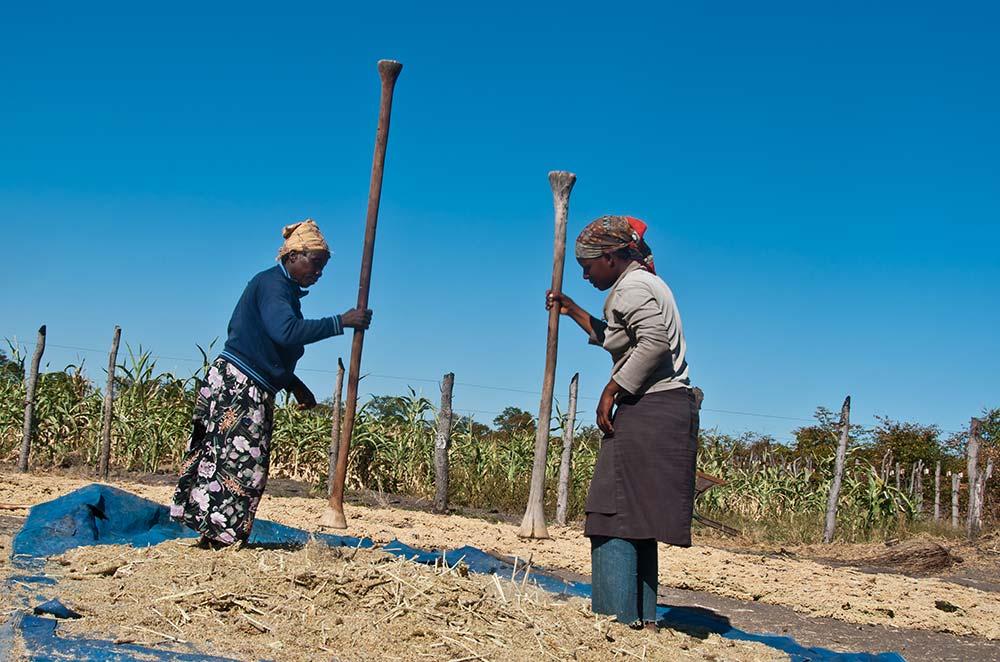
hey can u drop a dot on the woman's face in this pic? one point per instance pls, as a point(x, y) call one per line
point(600, 271)
point(307, 268)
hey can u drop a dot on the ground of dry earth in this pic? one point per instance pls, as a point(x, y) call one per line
point(843, 595)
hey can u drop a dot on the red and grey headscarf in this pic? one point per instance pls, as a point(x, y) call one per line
point(613, 233)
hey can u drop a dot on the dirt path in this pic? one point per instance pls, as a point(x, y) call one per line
point(847, 597)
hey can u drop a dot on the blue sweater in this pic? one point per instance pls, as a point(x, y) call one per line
point(267, 334)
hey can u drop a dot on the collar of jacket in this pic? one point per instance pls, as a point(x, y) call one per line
point(298, 290)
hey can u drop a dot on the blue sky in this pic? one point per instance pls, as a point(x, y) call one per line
point(821, 183)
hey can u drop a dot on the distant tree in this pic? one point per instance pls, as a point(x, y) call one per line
point(757, 444)
point(463, 424)
point(822, 438)
point(10, 371)
point(989, 433)
point(715, 443)
point(386, 406)
point(990, 430)
point(514, 420)
point(69, 380)
point(908, 442)
point(749, 442)
point(814, 440)
point(819, 439)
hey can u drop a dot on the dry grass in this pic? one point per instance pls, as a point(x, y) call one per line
point(318, 602)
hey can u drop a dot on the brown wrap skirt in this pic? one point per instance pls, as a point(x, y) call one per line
point(643, 484)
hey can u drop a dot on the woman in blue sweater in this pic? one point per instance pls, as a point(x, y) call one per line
point(226, 462)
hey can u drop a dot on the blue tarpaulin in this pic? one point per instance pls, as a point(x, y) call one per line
point(103, 515)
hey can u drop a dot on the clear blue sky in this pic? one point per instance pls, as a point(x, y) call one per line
point(821, 183)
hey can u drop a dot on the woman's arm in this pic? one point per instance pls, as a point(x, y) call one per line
point(284, 328)
point(282, 325)
point(302, 394)
point(606, 404)
point(592, 326)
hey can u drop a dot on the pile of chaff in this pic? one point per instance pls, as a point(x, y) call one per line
point(345, 604)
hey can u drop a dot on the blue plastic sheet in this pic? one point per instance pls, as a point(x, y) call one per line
point(55, 608)
point(103, 515)
point(42, 643)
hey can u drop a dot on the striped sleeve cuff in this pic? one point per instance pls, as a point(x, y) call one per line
point(338, 325)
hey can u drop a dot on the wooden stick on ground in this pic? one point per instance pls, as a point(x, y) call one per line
point(388, 71)
point(533, 523)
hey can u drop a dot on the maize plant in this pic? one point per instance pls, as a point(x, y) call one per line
point(769, 488)
point(393, 449)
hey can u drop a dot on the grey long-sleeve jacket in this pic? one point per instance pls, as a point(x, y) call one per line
point(642, 331)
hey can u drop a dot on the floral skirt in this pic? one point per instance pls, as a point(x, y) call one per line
point(225, 465)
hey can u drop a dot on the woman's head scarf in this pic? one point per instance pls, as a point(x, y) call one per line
point(301, 237)
point(609, 234)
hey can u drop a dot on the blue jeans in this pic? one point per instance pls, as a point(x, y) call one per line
point(624, 578)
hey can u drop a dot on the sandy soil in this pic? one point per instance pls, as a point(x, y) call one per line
point(806, 586)
point(976, 565)
point(6, 604)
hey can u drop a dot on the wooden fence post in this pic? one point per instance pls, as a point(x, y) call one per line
point(981, 493)
point(899, 473)
point(29, 401)
point(442, 442)
point(567, 453)
point(937, 491)
point(919, 488)
point(838, 471)
point(956, 482)
point(338, 392)
point(109, 400)
point(972, 450)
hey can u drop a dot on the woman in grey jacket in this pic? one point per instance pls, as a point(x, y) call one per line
point(643, 485)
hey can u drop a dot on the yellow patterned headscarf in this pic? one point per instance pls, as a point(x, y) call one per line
point(302, 236)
